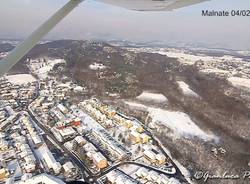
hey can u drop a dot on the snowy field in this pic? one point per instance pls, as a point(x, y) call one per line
point(186, 89)
point(136, 106)
point(152, 97)
point(20, 79)
point(241, 83)
point(189, 58)
point(221, 66)
point(42, 68)
point(179, 122)
point(97, 66)
point(3, 54)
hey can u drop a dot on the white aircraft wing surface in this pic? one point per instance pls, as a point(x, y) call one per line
point(152, 5)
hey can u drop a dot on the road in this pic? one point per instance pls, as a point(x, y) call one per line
point(178, 172)
point(84, 169)
point(73, 156)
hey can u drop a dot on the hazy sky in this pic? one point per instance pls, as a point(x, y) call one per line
point(94, 20)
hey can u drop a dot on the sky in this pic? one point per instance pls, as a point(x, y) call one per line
point(95, 20)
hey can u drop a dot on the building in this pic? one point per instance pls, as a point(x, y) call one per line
point(142, 172)
point(149, 155)
point(36, 139)
point(128, 123)
point(144, 138)
point(135, 137)
point(29, 167)
point(161, 159)
point(99, 160)
point(49, 159)
point(118, 177)
point(69, 145)
point(4, 174)
point(163, 179)
point(154, 157)
point(57, 134)
point(62, 108)
point(89, 147)
point(3, 145)
point(115, 147)
point(80, 140)
point(42, 178)
point(152, 176)
point(68, 168)
point(67, 132)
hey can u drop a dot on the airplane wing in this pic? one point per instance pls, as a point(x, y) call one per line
point(140, 5)
point(152, 5)
point(14, 56)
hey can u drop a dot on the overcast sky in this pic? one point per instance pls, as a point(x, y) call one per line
point(94, 20)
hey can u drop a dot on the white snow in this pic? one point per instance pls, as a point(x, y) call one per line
point(97, 66)
point(20, 79)
point(3, 54)
point(215, 71)
point(152, 97)
point(186, 89)
point(78, 89)
point(183, 57)
point(183, 170)
point(137, 106)
point(240, 82)
point(42, 68)
point(179, 122)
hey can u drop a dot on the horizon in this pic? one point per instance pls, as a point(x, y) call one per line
point(107, 22)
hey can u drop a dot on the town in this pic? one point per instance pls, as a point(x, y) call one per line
point(45, 137)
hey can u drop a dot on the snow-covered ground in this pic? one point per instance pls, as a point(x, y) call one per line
point(136, 106)
point(3, 54)
point(42, 68)
point(180, 123)
point(221, 66)
point(152, 97)
point(186, 89)
point(97, 66)
point(20, 79)
point(241, 83)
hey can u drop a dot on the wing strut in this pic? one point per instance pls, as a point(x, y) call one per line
point(22, 49)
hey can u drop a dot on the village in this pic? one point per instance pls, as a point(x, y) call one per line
point(46, 136)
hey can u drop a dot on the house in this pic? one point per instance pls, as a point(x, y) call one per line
point(3, 145)
point(4, 174)
point(62, 108)
point(42, 178)
point(49, 159)
point(144, 138)
point(161, 159)
point(135, 137)
point(80, 140)
point(150, 155)
point(142, 172)
point(36, 139)
point(67, 132)
point(99, 160)
point(89, 147)
point(30, 167)
point(68, 167)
